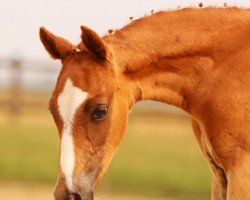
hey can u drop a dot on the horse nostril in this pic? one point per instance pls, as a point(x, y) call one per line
point(92, 196)
point(75, 196)
point(86, 196)
point(61, 192)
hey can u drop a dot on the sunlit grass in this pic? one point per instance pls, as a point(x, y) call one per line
point(157, 157)
point(160, 157)
point(28, 151)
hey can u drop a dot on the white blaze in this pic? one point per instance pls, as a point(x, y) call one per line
point(68, 102)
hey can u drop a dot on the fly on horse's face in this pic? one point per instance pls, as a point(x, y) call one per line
point(89, 110)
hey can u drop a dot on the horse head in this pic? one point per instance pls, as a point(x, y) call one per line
point(89, 105)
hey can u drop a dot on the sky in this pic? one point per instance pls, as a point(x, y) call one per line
point(20, 20)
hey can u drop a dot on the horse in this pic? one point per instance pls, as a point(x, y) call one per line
point(196, 59)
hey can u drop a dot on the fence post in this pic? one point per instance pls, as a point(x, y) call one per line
point(15, 87)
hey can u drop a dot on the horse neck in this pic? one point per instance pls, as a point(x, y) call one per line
point(164, 56)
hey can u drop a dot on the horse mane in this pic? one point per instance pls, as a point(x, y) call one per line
point(172, 14)
point(138, 36)
point(133, 36)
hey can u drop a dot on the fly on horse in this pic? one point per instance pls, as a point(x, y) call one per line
point(195, 59)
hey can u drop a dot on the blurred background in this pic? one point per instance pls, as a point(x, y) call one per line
point(158, 157)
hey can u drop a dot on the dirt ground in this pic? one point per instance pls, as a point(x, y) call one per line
point(26, 192)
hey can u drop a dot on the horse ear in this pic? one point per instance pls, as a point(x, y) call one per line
point(57, 47)
point(94, 43)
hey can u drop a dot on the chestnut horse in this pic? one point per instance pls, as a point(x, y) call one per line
point(195, 59)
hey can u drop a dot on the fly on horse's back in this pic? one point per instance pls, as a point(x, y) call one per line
point(195, 59)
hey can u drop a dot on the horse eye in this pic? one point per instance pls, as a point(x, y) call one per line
point(99, 113)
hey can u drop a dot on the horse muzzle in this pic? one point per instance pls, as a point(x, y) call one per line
point(80, 193)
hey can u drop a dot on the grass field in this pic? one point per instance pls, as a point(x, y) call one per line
point(158, 158)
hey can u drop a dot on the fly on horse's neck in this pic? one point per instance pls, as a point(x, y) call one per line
point(195, 59)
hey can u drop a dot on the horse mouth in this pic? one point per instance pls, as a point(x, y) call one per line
point(76, 196)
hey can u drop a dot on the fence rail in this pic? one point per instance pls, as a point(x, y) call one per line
point(26, 84)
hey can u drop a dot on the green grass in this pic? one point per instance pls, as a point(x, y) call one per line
point(160, 158)
point(28, 152)
point(157, 157)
